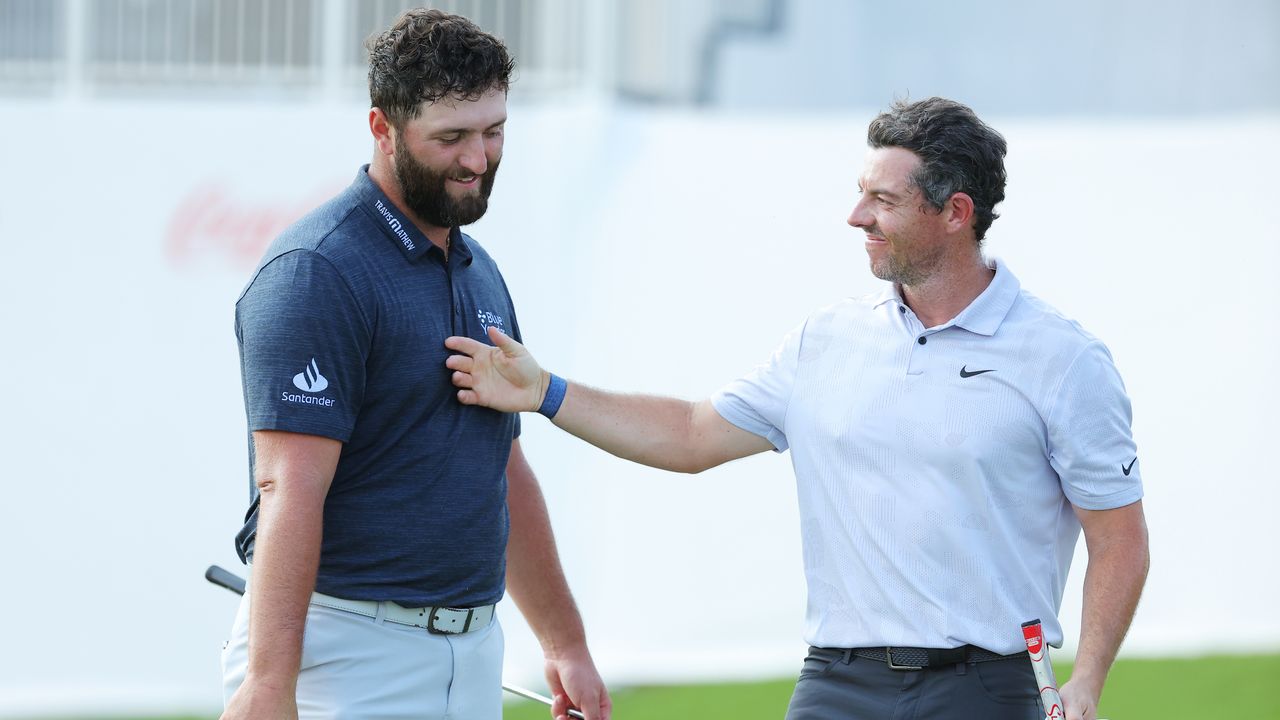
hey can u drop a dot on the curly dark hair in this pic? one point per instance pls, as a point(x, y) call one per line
point(957, 151)
point(429, 54)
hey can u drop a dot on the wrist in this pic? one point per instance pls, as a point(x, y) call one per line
point(272, 680)
point(553, 393)
point(566, 649)
point(1088, 679)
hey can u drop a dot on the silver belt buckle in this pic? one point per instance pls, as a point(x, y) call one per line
point(435, 615)
point(888, 654)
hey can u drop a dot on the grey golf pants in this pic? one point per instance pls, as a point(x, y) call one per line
point(837, 685)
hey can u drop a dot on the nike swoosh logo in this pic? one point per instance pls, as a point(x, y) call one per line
point(1127, 469)
point(966, 373)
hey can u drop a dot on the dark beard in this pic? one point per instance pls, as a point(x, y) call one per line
point(424, 192)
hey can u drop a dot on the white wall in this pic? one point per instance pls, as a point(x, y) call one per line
point(647, 250)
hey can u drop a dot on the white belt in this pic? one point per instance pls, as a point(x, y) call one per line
point(437, 620)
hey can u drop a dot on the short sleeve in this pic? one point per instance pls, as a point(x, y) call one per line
point(757, 402)
point(303, 343)
point(1091, 443)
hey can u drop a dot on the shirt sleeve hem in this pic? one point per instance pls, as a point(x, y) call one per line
point(725, 407)
point(1106, 502)
point(342, 435)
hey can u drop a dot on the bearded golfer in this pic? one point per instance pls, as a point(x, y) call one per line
point(378, 523)
point(950, 435)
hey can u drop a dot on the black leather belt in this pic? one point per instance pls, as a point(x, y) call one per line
point(910, 658)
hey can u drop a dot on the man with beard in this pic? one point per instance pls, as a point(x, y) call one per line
point(380, 509)
point(950, 435)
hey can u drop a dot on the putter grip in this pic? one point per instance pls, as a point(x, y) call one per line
point(225, 578)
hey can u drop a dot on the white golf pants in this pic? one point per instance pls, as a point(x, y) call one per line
point(360, 668)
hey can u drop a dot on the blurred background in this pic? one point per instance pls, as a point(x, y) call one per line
point(672, 201)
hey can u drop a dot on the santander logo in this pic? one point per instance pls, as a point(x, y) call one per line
point(310, 379)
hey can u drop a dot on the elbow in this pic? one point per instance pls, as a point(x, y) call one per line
point(266, 484)
point(692, 462)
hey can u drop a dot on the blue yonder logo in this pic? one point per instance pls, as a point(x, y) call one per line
point(486, 319)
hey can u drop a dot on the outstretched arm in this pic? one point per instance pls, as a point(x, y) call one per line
point(661, 432)
point(1113, 580)
point(538, 586)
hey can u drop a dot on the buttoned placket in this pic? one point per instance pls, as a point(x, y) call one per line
point(919, 340)
point(920, 353)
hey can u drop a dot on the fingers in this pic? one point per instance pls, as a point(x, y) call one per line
point(589, 704)
point(559, 698)
point(502, 342)
point(465, 344)
point(465, 363)
point(468, 397)
point(463, 380)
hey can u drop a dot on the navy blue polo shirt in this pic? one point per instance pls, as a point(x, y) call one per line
point(341, 333)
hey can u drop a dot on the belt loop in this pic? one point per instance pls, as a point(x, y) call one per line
point(380, 615)
point(847, 656)
point(962, 668)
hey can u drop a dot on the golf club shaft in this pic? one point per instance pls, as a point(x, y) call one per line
point(225, 578)
point(517, 690)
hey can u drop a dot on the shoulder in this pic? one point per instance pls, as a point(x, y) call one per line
point(856, 311)
point(1052, 330)
point(323, 242)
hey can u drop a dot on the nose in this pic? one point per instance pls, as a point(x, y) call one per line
point(473, 158)
point(860, 217)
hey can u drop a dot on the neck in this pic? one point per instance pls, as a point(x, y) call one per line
point(383, 176)
point(945, 294)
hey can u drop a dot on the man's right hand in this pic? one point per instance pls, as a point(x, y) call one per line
point(258, 701)
point(503, 376)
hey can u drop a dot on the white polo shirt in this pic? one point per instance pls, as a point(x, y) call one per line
point(937, 468)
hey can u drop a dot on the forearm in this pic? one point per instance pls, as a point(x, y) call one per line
point(651, 430)
point(293, 473)
point(534, 576)
point(1114, 578)
point(285, 560)
point(661, 432)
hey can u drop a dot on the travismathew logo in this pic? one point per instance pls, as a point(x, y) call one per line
point(309, 380)
point(396, 226)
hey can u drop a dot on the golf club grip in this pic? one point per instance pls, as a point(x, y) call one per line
point(225, 578)
point(1038, 651)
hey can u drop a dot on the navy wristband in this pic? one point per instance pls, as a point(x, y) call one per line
point(555, 395)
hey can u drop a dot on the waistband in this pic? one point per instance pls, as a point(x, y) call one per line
point(911, 658)
point(436, 620)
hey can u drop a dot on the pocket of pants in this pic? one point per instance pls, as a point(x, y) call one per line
point(819, 662)
point(1008, 681)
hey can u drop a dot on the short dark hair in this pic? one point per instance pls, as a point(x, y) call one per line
point(429, 54)
point(957, 151)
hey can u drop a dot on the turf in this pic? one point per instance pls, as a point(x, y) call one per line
point(1209, 688)
point(1233, 687)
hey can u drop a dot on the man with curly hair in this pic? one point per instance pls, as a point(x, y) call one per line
point(951, 436)
point(385, 519)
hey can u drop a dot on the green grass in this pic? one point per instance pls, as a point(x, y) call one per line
point(1210, 688)
point(1232, 687)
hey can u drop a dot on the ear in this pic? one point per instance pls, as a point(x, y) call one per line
point(383, 132)
point(959, 212)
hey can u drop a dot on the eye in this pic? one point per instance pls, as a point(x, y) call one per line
point(495, 133)
point(449, 139)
